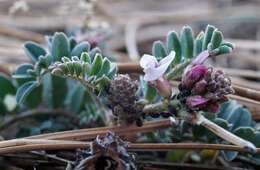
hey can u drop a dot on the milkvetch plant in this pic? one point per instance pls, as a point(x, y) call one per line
point(73, 76)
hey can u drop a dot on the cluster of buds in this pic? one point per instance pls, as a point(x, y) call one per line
point(108, 152)
point(123, 101)
point(203, 88)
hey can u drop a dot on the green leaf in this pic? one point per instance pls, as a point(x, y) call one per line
point(60, 46)
point(187, 42)
point(222, 123)
point(85, 57)
point(54, 90)
point(216, 39)
point(223, 49)
point(239, 117)
point(177, 71)
point(80, 48)
point(105, 68)
point(229, 155)
point(207, 38)
point(34, 98)
point(158, 50)
point(173, 44)
point(256, 139)
point(113, 70)
point(25, 90)
point(149, 92)
point(246, 133)
point(227, 108)
point(93, 52)
point(72, 42)
point(198, 43)
point(96, 64)
point(34, 51)
point(102, 82)
point(75, 98)
point(6, 86)
point(229, 44)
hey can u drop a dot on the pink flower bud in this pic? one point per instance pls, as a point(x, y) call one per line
point(192, 75)
point(196, 101)
point(200, 87)
point(163, 87)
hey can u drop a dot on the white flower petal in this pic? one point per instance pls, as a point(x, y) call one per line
point(168, 59)
point(201, 57)
point(148, 61)
point(151, 74)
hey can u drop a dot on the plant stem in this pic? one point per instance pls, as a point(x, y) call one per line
point(224, 134)
point(156, 107)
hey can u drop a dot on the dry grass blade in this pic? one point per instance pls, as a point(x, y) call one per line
point(246, 92)
point(53, 145)
point(89, 134)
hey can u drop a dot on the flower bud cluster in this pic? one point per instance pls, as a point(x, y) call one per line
point(122, 97)
point(203, 88)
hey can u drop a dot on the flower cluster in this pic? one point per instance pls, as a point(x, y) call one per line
point(122, 97)
point(108, 153)
point(203, 88)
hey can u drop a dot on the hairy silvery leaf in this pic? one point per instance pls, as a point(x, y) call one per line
point(24, 90)
point(75, 98)
point(6, 86)
point(173, 44)
point(34, 51)
point(60, 46)
point(158, 50)
point(207, 37)
point(72, 43)
point(96, 64)
point(198, 44)
point(54, 90)
point(80, 48)
point(216, 39)
point(187, 42)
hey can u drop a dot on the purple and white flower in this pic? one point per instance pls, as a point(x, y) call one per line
point(155, 70)
point(152, 68)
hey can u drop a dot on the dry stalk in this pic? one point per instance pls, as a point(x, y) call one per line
point(246, 92)
point(224, 134)
point(21, 34)
point(91, 133)
point(131, 147)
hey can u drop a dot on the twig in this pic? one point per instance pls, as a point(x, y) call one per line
point(91, 133)
point(35, 147)
point(129, 68)
point(20, 142)
point(37, 112)
point(21, 34)
point(245, 100)
point(224, 134)
point(246, 92)
point(130, 39)
point(131, 147)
